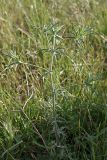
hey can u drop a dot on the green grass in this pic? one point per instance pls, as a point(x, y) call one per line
point(53, 80)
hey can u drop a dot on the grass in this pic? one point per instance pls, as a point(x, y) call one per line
point(53, 80)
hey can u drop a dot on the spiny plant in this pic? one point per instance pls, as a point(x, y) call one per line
point(53, 96)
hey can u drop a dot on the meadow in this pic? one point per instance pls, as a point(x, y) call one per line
point(53, 80)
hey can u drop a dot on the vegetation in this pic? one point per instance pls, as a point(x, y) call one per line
point(53, 80)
